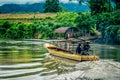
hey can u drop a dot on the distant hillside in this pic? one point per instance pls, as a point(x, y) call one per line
point(11, 8)
point(73, 7)
point(39, 7)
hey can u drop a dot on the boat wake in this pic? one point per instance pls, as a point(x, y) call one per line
point(93, 70)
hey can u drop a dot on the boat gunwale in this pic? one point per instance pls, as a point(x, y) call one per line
point(57, 49)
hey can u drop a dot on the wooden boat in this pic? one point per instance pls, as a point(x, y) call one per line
point(53, 50)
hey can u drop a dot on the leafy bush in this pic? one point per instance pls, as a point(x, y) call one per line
point(112, 34)
point(66, 18)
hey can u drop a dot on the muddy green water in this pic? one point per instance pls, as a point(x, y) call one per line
point(29, 60)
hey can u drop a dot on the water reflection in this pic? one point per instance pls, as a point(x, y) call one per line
point(22, 59)
point(107, 51)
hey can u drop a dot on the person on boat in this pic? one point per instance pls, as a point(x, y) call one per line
point(78, 49)
point(86, 48)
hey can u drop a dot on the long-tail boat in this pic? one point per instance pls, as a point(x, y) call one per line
point(54, 50)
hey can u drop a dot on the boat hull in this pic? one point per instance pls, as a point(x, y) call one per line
point(53, 50)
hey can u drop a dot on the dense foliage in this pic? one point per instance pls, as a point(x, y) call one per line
point(42, 28)
point(104, 18)
point(105, 23)
point(18, 30)
point(99, 6)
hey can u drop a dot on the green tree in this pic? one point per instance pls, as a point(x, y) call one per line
point(4, 26)
point(112, 34)
point(52, 6)
point(97, 6)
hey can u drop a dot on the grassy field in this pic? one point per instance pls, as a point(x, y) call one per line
point(36, 15)
point(26, 18)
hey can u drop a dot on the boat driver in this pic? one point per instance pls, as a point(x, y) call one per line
point(86, 48)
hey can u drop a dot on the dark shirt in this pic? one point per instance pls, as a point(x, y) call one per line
point(78, 50)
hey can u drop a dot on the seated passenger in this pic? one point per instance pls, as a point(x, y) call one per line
point(78, 49)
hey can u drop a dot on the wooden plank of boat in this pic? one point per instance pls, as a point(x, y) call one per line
point(66, 54)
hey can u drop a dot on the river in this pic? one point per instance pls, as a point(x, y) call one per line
point(29, 60)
